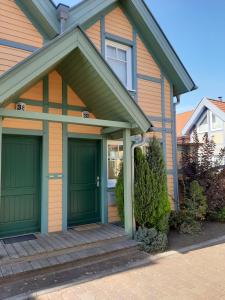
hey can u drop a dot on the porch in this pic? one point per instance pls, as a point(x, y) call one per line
point(38, 253)
point(68, 92)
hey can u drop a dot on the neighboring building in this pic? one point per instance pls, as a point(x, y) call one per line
point(208, 117)
point(181, 120)
point(76, 84)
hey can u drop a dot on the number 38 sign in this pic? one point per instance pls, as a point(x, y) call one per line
point(20, 106)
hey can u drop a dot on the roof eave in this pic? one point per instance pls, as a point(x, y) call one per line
point(43, 14)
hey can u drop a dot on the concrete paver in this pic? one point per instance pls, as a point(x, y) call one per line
point(195, 275)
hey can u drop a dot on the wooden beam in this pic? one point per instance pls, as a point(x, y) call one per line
point(109, 130)
point(62, 119)
point(104, 196)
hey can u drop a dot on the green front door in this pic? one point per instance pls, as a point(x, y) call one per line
point(83, 182)
point(20, 185)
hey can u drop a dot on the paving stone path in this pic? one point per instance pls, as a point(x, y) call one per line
point(195, 275)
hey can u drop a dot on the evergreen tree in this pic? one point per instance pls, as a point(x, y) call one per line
point(142, 189)
point(160, 205)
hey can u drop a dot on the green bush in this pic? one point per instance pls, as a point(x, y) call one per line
point(151, 240)
point(192, 213)
point(119, 194)
point(218, 215)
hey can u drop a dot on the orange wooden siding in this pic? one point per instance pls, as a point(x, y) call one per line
point(169, 153)
point(73, 98)
point(94, 35)
point(55, 87)
point(9, 57)
point(16, 27)
point(23, 124)
point(113, 215)
point(145, 62)
point(117, 23)
point(149, 97)
point(167, 97)
point(34, 93)
point(54, 205)
point(82, 128)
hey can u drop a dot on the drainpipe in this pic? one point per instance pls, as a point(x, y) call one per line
point(62, 15)
point(135, 145)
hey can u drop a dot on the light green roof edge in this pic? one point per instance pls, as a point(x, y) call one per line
point(40, 62)
point(42, 13)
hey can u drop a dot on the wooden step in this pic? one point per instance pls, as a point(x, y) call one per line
point(70, 257)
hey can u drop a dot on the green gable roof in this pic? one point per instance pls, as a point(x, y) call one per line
point(83, 68)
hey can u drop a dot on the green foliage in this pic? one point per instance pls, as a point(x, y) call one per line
point(119, 194)
point(151, 240)
point(160, 205)
point(218, 215)
point(142, 189)
point(192, 212)
point(198, 163)
point(195, 206)
point(151, 202)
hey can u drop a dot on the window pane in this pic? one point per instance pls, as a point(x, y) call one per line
point(113, 169)
point(115, 155)
point(111, 52)
point(120, 68)
point(122, 54)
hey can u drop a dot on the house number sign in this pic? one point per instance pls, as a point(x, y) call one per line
point(20, 106)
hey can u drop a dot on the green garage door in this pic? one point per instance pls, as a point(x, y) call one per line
point(20, 201)
point(83, 182)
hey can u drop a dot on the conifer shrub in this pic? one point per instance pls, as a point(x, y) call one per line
point(151, 240)
point(151, 202)
point(192, 213)
point(160, 205)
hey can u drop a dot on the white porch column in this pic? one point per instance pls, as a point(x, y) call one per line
point(128, 209)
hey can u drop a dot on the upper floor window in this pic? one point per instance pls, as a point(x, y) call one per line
point(118, 57)
point(203, 124)
point(216, 123)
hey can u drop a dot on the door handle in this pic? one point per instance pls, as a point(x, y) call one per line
point(98, 181)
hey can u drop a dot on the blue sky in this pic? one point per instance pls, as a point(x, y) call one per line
point(196, 29)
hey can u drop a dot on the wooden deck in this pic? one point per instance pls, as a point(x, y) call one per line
point(47, 251)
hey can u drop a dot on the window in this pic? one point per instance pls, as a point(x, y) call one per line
point(203, 124)
point(216, 123)
point(115, 157)
point(118, 57)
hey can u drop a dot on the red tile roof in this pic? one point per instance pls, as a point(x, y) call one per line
point(181, 120)
point(219, 103)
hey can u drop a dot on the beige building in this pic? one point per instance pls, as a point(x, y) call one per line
point(208, 117)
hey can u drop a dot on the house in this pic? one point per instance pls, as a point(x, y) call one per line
point(208, 117)
point(76, 84)
point(181, 120)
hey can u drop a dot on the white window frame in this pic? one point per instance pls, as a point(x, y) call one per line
point(111, 183)
point(211, 123)
point(128, 50)
point(199, 122)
